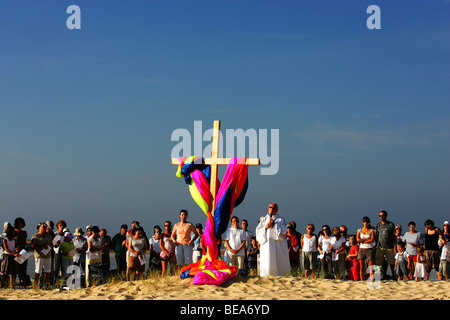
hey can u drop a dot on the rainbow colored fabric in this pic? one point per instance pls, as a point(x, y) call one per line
point(231, 192)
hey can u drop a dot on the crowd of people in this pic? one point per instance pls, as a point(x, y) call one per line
point(333, 253)
point(276, 248)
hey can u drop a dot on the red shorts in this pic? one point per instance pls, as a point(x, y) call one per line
point(412, 258)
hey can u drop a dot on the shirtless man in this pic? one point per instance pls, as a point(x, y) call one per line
point(181, 236)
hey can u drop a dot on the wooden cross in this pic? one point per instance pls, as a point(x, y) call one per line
point(214, 162)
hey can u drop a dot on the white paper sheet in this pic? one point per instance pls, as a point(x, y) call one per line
point(142, 260)
point(92, 254)
point(45, 250)
point(23, 256)
point(73, 252)
point(57, 238)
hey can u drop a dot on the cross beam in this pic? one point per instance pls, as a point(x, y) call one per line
point(215, 161)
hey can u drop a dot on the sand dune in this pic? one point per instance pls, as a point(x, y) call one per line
point(253, 288)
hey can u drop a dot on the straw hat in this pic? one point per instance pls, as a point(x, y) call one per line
point(78, 232)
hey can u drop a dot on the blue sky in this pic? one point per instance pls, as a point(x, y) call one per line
point(86, 115)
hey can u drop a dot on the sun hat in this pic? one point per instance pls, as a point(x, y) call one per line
point(89, 226)
point(78, 232)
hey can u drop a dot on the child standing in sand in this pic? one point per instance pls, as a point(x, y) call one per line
point(401, 262)
point(252, 254)
point(352, 258)
point(421, 269)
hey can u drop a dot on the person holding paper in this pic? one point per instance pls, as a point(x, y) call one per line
point(57, 240)
point(94, 253)
point(337, 247)
point(137, 245)
point(21, 236)
point(67, 250)
point(80, 243)
point(41, 243)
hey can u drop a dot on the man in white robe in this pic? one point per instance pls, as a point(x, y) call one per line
point(271, 235)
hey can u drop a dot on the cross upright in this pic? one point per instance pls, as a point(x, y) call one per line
point(215, 161)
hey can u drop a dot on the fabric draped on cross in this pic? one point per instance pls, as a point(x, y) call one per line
point(230, 193)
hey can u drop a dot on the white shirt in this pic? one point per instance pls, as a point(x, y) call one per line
point(235, 237)
point(325, 244)
point(248, 235)
point(402, 256)
point(155, 244)
point(309, 244)
point(338, 244)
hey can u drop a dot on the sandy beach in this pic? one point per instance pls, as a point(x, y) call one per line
point(252, 288)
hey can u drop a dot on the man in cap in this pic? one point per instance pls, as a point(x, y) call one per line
point(80, 243)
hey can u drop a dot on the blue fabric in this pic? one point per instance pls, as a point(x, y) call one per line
point(222, 212)
point(187, 168)
point(185, 274)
